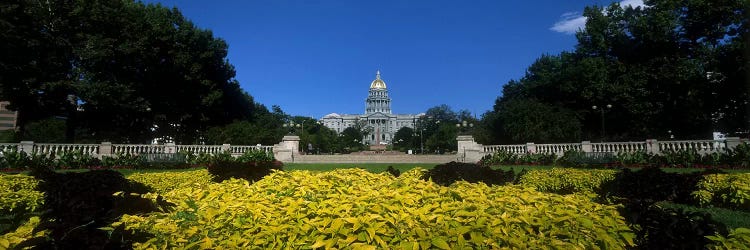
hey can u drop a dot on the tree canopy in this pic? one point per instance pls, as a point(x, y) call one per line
point(120, 71)
point(671, 66)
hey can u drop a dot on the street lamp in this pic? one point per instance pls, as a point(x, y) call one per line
point(420, 126)
point(293, 125)
point(464, 126)
point(602, 110)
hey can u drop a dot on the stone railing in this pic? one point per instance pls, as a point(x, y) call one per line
point(109, 149)
point(701, 146)
point(242, 149)
point(9, 146)
point(555, 148)
point(516, 149)
point(201, 149)
point(136, 149)
point(57, 149)
point(604, 147)
point(470, 151)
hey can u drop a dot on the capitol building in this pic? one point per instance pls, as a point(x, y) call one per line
point(378, 122)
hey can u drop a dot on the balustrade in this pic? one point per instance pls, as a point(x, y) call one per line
point(649, 146)
point(700, 146)
point(9, 146)
point(516, 149)
point(558, 149)
point(58, 149)
point(198, 149)
point(136, 149)
point(608, 147)
point(238, 150)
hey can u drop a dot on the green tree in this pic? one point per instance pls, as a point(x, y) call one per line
point(443, 140)
point(120, 71)
point(35, 66)
point(672, 65)
point(405, 139)
point(45, 131)
point(530, 121)
point(351, 139)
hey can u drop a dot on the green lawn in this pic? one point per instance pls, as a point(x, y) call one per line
point(730, 218)
point(371, 167)
point(380, 167)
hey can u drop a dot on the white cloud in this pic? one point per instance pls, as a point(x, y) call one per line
point(571, 22)
point(632, 3)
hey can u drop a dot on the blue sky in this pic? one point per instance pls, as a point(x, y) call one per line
point(318, 57)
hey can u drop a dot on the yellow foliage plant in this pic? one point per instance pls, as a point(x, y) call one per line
point(567, 180)
point(355, 209)
point(26, 231)
point(724, 190)
point(167, 181)
point(18, 194)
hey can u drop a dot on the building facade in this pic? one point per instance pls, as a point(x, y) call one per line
point(8, 118)
point(378, 123)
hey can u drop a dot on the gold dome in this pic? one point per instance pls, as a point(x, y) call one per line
point(377, 83)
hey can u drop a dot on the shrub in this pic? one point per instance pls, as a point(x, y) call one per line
point(76, 159)
point(678, 158)
point(413, 174)
point(724, 190)
point(737, 239)
point(351, 208)
point(499, 157)
point(579, 159)
point(19, 200)
point(566, 180)
point(739, 156)
point(167, 181)
point(650, 185)
point(77, 205)
point(14, 159)
point(201, 159)
point(18, 194)
point(223, 167)
point(638, 158)
point(447, 174)
point(15, 239)
point(508, 158)
point(256, 156)
point(393, 171)
point(667, 228)
point(124, 160)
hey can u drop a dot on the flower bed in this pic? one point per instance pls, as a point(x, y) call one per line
point(357, 209)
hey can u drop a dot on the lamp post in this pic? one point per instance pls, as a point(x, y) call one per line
point(420, 126)
point(292, 125)
point(602, 110)
point(463, 126)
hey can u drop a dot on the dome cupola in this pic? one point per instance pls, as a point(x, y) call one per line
point(377, 83)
